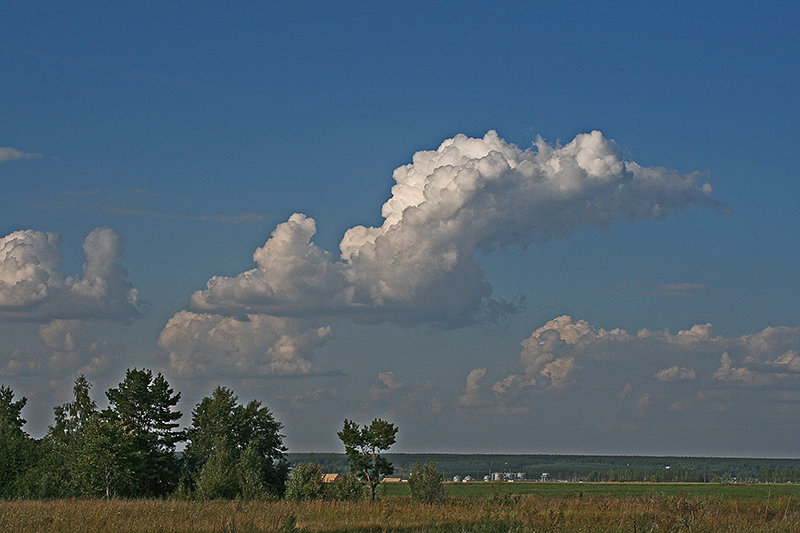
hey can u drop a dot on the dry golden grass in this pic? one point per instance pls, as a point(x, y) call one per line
point(526, 513)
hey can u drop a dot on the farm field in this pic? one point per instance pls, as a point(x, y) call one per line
point(617, 490)
point(587, 507)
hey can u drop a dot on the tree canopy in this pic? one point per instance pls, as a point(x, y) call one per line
point(143, 407)
point(234, 449)
point(15, 445)
point(363, 447)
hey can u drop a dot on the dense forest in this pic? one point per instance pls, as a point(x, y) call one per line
point(135, 447)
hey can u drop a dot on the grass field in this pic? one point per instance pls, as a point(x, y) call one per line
point(616, 490)
point(479, 507)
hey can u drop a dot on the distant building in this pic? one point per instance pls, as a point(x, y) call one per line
point(457, 479)
point(393, 480)
point(329, 478)
point(507, 476)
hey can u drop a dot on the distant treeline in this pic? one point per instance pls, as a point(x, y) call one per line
point(655, 475)
point(774, 475)
point(587, 467)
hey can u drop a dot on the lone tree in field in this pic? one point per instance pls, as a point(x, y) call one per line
point(363, 447)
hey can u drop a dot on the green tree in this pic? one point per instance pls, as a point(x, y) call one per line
point(142, 407)
point(16, 448)
point(426, 483)
point(72, 417)
point(10, 410)
point(109, 461)
point(305, 483)
point(218, 475)
point(246, 436)
point(363, 447)
point(57, 471)
point(259, 475)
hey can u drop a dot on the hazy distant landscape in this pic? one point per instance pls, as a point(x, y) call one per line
point(582, 467)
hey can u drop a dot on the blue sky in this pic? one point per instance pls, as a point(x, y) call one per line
point(146, 149)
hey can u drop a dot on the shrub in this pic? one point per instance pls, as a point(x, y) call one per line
point(346, 488)
point(305, 483)
point(426, 483)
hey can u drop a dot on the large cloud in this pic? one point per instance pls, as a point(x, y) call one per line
point(32, 289)
point(419, 267)
point(467, 196)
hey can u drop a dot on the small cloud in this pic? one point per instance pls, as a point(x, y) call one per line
point(697, 334)
point(643, 402)
point(769, 341)
point(788, 362)
point(471, 396)
point(675, 373)
point(549, 354)
point(389, 384)
point(729, 373)
point(10, 154)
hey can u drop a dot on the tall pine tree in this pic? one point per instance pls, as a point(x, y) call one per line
point(143, 406)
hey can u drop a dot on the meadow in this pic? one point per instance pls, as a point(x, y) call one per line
point(474, 507)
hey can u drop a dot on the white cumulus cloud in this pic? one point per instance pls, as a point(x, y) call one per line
point(32, 289)
point(550, 355)
point(70, 347)
point(388, 385)
point(203, 344)
point(471, 396)
point(420, 266)
point(676, 373)
point(467, 196)
point(565, 352)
